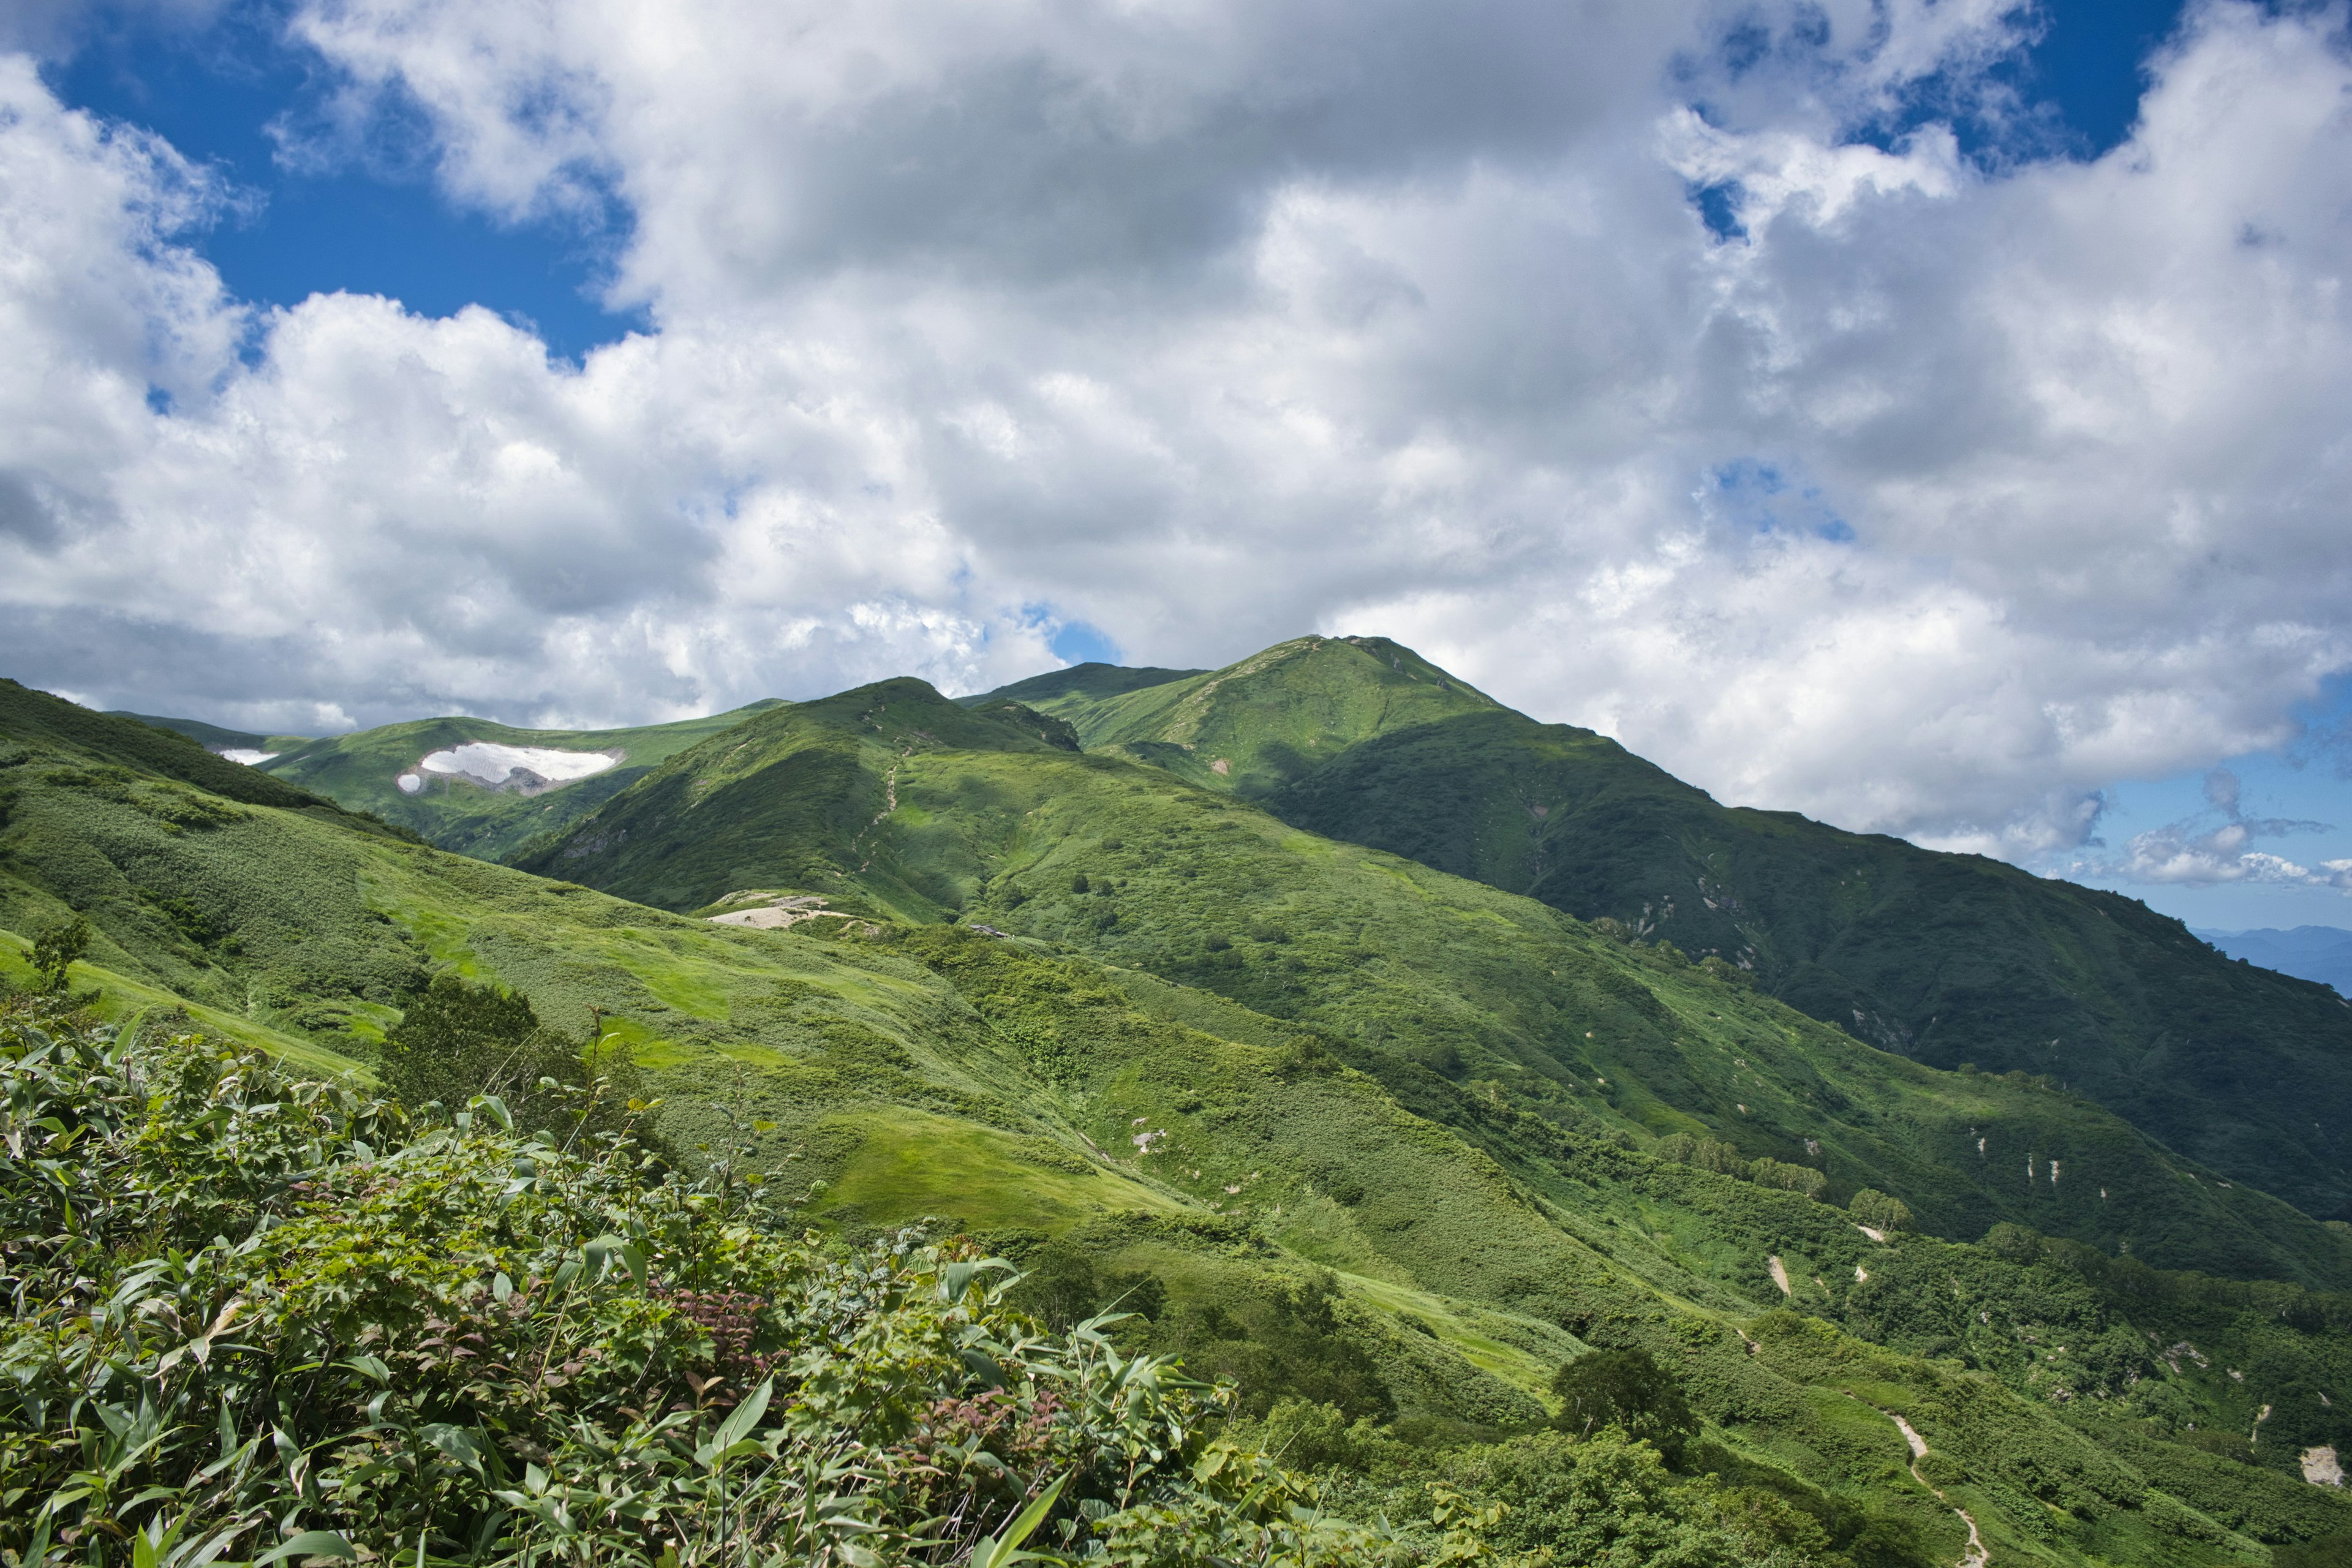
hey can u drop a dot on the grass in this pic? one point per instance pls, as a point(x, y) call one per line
point(910, 1165)
point(131, 1004)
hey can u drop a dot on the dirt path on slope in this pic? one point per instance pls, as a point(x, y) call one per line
point(1976, 1556)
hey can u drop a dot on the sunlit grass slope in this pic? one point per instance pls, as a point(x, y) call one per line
point(361, 770)
point(1476, 1231)
point(1949, 959)
point(1254, 726)
point(891, 798)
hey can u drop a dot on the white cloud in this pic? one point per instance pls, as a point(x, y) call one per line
point(2217, 846)
point(1935, 504)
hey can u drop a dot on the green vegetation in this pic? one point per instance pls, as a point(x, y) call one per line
point(214, 738)
point(1626, 1389)
point(891, 801)
point(260, 1319)
point(1382, 1148)
point(57, 946)
point(1949, 959)
point(362, 771)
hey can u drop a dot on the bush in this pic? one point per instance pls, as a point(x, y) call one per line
point(457, 1039)
point(58, 946)
point(2328, 1552)
point(284, 1320)
point(1629, 1390)
point(1874, 1208)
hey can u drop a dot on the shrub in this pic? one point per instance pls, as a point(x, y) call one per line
point(457, 1039)
point(58, 946)
point(1629, 1390)
point(1874, 1208)
point(268, 1319)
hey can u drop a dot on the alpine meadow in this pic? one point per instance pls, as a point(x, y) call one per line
point(1303, 1112)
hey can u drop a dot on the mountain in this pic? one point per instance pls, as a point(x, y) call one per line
point(238, 745)
point(2320, 953)
point(1952, 960)
point(483, 788)
point(1377, 1141)
point(891, 800)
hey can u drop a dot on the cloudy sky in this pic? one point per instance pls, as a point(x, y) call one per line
point(1931, 417)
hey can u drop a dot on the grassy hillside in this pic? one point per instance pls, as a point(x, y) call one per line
point(213, 738)
point(362, 771)
point(891, 799)
point(1949, 959)
point(1254, 725)
point(1358, 1221)
point(1091, 679)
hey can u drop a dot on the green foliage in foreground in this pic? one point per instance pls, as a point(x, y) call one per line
point(255, 1319)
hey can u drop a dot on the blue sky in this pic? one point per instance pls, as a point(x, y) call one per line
point(945, 356)
point(316, 210)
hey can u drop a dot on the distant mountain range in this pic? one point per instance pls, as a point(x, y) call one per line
point(2322, 953)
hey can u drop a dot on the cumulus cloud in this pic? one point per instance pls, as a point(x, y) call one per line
point(2217, 845)
point(1923, 495)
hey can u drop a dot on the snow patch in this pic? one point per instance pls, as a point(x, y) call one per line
point(527, 770)
point(409, 783)
point(248, 755)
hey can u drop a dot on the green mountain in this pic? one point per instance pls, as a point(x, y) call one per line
point(455, 781)
point(1949, 959)
point(891, 799)
point(213, 738)
point(1383, 1145)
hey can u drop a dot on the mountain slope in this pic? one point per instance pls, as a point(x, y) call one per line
point(487, 818)
point(1949, 959)
point(213, 738)
point(1474, 1234)
point(891, 799)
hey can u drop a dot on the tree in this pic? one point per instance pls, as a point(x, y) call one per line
point(1627, 1389)
point(1874, 1208)
point(56, 947)
point(458, 1039)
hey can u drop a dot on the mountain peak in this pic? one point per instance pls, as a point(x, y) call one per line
point(1262, 721)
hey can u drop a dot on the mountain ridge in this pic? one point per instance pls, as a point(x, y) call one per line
point(1952, 959)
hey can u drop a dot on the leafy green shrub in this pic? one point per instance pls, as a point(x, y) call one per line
point(1062, 1287)
point(1610, 1500)
point(1770, 1172)
point(260, 1319)
point(1626, 1389)
point(1724, 1158)
point(457, 1039)
point(1874, 1208)
point(2328, 1552)
point(1286, 1341)
point(56, 948)
point(1728, 973)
